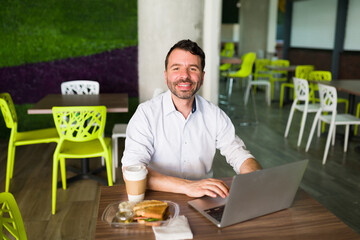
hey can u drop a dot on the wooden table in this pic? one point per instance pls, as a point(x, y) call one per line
point(306, 219)
point(232, 60)
point(114, 102)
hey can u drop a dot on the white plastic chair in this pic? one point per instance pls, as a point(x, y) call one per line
point(258, 83)
point(328, 102)
point(80, 87)
point(301, 95)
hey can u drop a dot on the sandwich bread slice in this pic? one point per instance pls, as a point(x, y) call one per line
point(151, 211)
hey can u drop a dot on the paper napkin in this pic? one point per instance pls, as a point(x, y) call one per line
point(178, 228)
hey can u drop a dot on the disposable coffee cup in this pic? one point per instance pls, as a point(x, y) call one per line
point(135, 181)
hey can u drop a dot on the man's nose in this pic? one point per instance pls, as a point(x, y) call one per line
point(184, 73)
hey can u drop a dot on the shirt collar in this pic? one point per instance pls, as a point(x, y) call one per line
point(169, 105)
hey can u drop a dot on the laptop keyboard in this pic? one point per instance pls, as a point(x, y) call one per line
point(216, 212)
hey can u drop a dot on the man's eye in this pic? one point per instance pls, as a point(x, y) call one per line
point(193, 69)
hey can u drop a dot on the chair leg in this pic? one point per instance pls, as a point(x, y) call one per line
point(333, 136)
point(302, 127)
point(331, 129)
point(231, 80)
point(54, 184)
point(63, 173)
point(346, 137)
point(114, 157)
point(282, 95)
point(12, 157)
point(315, 122)
point(292, 110)
point(10, 166)
point(108, 161)
point(357, 115)
point(247, 92)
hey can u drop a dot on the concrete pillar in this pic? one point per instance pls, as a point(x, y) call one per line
point(254, 17)
point(212, 27)
point(162, 23)
point(272, 22)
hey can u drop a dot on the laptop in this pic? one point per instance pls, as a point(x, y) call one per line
point(254, 194)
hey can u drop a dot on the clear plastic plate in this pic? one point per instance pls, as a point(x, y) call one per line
point(109, 216)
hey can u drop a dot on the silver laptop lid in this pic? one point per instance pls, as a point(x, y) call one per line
point(262, 192)
point(257, 193)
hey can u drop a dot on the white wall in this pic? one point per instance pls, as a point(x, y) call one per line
point(352, 31)
point(313, 24)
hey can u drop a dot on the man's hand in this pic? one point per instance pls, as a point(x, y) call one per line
point(209, 187)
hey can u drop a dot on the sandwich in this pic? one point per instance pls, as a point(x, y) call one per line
point(150, 211)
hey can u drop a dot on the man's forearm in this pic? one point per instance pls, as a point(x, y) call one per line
point(160, 182)
point(249, 165)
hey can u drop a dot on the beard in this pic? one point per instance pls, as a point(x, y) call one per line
point(184, 94)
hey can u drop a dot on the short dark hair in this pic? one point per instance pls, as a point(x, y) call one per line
point(189, 46)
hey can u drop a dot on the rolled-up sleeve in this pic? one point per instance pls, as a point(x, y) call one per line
point(229, 144)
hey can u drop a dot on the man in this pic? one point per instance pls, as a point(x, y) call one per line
point(176, 134)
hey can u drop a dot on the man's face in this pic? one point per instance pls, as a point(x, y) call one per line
point(184, 76)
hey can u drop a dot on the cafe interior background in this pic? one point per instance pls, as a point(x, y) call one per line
point(122, 44)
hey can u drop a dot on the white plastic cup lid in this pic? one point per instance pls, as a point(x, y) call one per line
point(135, 172)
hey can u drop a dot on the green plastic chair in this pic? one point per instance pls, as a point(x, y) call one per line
point(301, 71)
point(20, 138)
point(12, 224)
point(358, 116)
point(320, 76)
point(228, 51)
point(278, 75)
point(81, 136)
point(261, 72)
point(244, 72)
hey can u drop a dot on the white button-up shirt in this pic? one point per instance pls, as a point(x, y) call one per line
point(160, 137)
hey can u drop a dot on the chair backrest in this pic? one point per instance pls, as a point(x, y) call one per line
point(301, 89)
point(302, 71)
point(229, 50)
point(247, 64)
point(79, 123)
point(80, 87)
point(320, 76)
point(328, 98)
point(260, 65)
point(8, 110)
point(280, 63)
point(10, 218)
